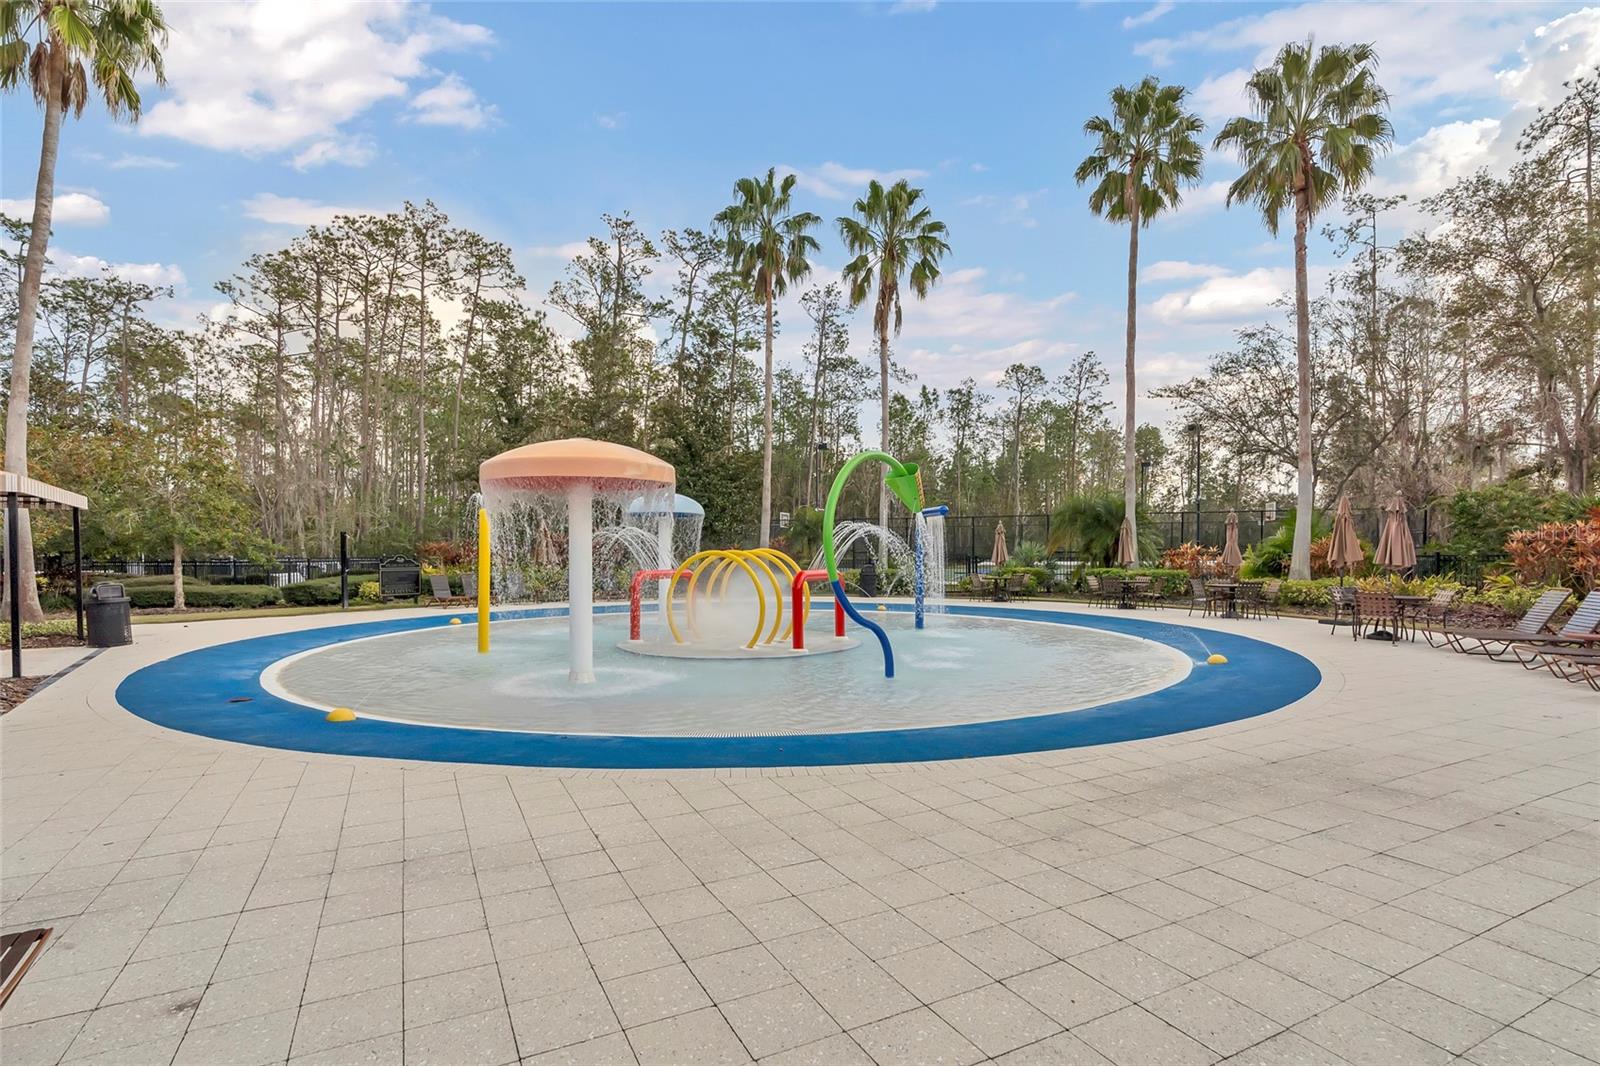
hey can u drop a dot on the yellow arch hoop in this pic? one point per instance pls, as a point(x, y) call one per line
point(789, 568)
point(725, 558)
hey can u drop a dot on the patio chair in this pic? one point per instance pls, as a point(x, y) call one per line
point(1495, 642)
point(1144, 590)
point(1374, 611)
point(1343, 598)
point(1437, 612)
point(1270, 593)
point(440, 594)
point(1579, 630)
point(1249, 595)
point(1018, 586)
point(1111, 589)
point(1198, 597)
point(1097, 592)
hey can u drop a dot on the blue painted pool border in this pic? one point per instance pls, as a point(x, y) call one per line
point(191, 693)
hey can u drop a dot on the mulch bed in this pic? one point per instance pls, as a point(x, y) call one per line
point(13, 690)
point(51, 640)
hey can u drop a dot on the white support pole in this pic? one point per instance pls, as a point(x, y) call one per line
point(664, 561)
point(580, 582)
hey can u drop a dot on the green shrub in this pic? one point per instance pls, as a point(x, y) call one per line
point(1482, 519)
point(1165, 582)
point(199, 594)
point(1505, 593)
point(369, 592)
point(319, 591)
point(1307, 594)
point(1039, 579)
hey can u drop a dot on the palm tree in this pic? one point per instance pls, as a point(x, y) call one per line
point(1317, 126)
point(1145, 152)
point(768, 245)
point(56, 48)
point(892, 235)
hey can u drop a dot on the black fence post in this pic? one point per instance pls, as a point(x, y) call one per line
point(344, 571)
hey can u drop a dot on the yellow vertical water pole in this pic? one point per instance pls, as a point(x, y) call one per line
point(483, 581)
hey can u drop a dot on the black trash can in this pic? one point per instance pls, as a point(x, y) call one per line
point(107, 612)
point(869, 579)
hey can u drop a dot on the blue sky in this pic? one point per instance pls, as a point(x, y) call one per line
point(527, 121)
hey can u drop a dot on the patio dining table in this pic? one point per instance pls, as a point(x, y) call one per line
point(1230, 593)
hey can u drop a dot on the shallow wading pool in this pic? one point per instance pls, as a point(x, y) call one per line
point(978, 681)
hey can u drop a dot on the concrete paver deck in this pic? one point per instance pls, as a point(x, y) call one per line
point(1400, 868)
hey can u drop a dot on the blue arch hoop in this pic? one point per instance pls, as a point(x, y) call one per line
point(198, 692)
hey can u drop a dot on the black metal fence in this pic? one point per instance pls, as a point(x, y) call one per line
point(284, 569)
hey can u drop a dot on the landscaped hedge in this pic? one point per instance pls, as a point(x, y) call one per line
point(198, 594)
point(1166, 582)
point(320, 591)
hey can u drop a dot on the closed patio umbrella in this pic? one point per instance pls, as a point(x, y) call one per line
point(544, 546)
point(1344, 550)
point(1127, 549)
point(999, 556)
point(1232, 559)
point(1396, 550)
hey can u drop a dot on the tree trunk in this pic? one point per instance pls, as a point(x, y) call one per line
point(22, 354)
point(766, 435)
point(883, 435)
point(1300, 558)
point(1130, 461)
point(178, 602)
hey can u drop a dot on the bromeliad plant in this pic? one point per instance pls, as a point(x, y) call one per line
point(1558, 553)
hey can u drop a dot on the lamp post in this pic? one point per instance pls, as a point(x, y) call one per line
point(1193, 429)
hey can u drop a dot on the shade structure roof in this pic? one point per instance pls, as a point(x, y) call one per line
point(32, 493)
point(682, 506)
point(553, 463)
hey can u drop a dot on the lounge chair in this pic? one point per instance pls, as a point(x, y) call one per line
point(18, 951)
point(1571, 664)
point(1495, 642)
point(1579, 630)
point(441, 596)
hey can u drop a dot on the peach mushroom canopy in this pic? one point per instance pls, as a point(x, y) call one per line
point(553, 464)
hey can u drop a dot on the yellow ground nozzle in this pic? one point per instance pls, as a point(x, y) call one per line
point(341, 714)
point(1216, 659)
point(455, 621)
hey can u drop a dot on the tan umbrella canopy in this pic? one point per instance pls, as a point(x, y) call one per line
point(1396, 550)
point(1232, 559)
point(1344, 551)
point(999, 556)
point(1127, 549)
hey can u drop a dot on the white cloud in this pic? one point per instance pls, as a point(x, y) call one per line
point(1203, 199)
point(1440, 156)
point(913, 7)
point(292, 210)
point(259, 78)
point(1554, 53)
point(66, 264)
point(451, 103)
point(1221, 97)
point(1428, 51)
point(69, 209)
point(569, 250)
point(978, 168)
point(612, 121)
point(1014, 208)
point(1226, 297)
point(835, 181)
point(129, 161)
point(345, 150)
point(1180, 270)
point(1144, 18)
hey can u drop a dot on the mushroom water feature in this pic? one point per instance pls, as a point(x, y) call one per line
point(558, 489)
